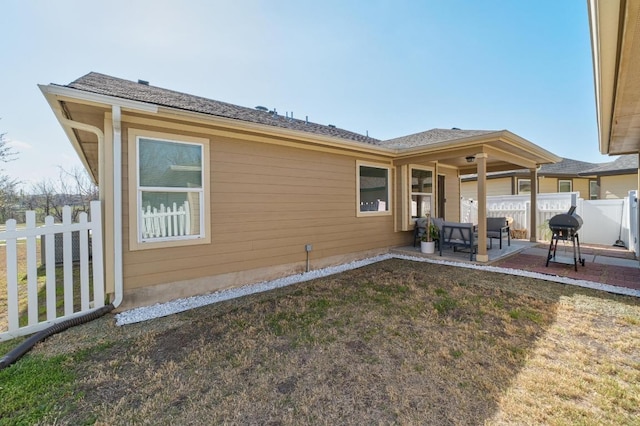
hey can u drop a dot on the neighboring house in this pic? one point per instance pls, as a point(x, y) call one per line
point(256, 192)
point(566, 175)
point(615, 179)
point(591, 180)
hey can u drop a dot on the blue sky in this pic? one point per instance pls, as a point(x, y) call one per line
point(391, 68)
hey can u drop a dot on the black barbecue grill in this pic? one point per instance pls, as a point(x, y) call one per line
point(565, 226)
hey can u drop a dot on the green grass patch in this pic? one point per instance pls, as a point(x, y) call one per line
point(31, 389)
point(523, 313)
point(445, 303)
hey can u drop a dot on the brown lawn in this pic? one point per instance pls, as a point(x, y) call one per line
point(392, 343)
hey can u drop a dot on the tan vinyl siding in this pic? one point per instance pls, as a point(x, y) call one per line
point(582, 186)
point(497, 186)
point(267, 202)
point(547, 185)
point(452, 193)
point(500, 186)
point(617, 186)
point(469, 189)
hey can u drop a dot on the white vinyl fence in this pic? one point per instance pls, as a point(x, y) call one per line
point(166, 221)
point(22, 311)
point(604, 221)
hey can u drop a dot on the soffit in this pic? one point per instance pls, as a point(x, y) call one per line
point(625, 131)
point(87, 141)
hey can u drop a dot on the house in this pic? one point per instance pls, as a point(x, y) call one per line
point(616, 178)
point(592, 181)
point(567, 175)
point(201, 195)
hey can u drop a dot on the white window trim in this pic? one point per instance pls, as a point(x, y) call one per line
point(388, 168)
point(566, 180)
point(411, 193)
point(524, 180)
point(135, 242)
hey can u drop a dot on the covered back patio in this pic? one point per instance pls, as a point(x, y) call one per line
point(456, 152)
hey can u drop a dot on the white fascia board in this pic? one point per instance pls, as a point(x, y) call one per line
point(82, 95)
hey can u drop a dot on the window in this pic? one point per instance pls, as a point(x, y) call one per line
point(565, 185)
point(168, 182)
point(524, 186)
point(374, 194)
point(421, 192)
point(594, 189)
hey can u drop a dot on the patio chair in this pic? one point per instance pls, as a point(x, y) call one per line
point(497, 227)
point(419, 230)
point(438, 222)
point(459, 235)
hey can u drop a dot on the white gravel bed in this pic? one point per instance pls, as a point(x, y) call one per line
point(179, 305)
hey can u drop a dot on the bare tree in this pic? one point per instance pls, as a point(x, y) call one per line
point(74, 188)
point(79, 187)
point(8, 196)
point(43, 197)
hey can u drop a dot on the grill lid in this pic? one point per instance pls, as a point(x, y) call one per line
point(569, 220)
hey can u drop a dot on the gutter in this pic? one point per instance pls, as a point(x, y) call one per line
point(53, 94)
point(118, 287)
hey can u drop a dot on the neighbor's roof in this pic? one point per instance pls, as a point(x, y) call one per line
point(126, 89)
point(431, 136)
point(621, 165)
point(565, 167)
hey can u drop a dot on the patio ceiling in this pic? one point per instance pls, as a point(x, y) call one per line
point(615, 40)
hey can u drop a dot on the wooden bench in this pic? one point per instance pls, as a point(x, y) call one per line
point(459, 235)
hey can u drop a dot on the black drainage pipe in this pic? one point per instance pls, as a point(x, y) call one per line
point(26, 346)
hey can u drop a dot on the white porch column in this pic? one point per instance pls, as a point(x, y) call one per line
point(482, 255)
point(533, 214)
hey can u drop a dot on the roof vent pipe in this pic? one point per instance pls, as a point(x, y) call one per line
point(306, 120)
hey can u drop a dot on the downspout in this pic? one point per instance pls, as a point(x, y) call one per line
point(28, 344)
point(117, 189)
point(117, 203)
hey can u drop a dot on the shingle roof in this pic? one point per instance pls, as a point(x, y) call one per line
point(621, 165)
point(565, 167)
point(126, 89)
point(431, 136)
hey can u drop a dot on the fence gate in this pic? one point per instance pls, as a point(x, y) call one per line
point(40, 294)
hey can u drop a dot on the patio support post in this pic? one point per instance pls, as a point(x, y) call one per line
point(533, 214)
point(482, 256)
